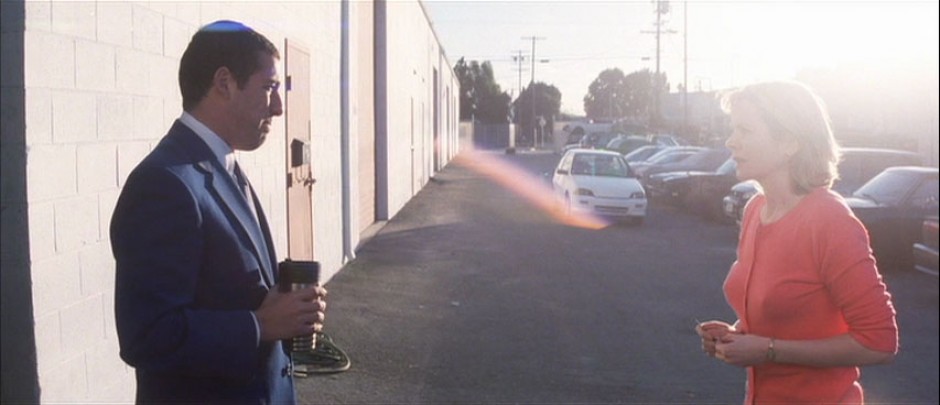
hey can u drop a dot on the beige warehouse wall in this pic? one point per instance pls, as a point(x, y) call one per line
point(413, 53)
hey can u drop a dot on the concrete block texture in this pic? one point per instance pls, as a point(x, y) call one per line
point(132, 72)
point(56, 284)
point(94, 66)
point(96, 267)
point(176, 35)
point(66, 382)
point(106, 203)
point(50, 172)
point(114, 24)
point(111, 381)
point(115, 117)
point(49, 337)
point(38, 115)
point(84, 321)
point(147, 29)
point(148, 118)
point(37, 15)
point(97, 167)
point(73, 117)
point(49, 60)
point(74, 18)
point(129, 155)
point(41, 217)
point(76, 223)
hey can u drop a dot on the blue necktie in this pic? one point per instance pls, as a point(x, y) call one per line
point(245, 188)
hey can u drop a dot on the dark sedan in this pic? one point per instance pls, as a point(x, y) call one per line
point(927, 250)
point(675, 187)
point(893, 205)
point(706, 160)
point(705, 192)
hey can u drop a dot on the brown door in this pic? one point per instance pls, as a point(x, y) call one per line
point(299, 173)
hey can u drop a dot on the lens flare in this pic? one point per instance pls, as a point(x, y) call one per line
point(529, 187)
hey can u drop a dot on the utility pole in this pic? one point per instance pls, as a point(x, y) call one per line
point(519, 58)
point(685, 67)
point(531, 90)
point(662, 7)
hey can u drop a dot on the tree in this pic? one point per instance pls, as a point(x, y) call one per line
point(612, 96)
point(547, 106)
point(480, 96)
point(606, 96)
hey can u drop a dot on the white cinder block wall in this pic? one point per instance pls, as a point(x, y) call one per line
point(98, 91)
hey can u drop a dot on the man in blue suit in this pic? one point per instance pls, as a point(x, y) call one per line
point(197, 309)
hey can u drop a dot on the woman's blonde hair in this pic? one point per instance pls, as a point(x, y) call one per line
point(791, 110)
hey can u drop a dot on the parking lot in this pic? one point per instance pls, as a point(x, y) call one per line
point(474, 293)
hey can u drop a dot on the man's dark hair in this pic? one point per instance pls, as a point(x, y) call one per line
point(220, 44)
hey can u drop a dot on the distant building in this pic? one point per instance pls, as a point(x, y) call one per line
point(703, 123)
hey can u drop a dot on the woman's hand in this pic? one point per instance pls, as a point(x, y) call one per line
point(742, 350)
point(711, 332)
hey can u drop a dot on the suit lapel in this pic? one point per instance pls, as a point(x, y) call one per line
point(228, 195)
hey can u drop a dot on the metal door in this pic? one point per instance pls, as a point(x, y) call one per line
point(299, 172)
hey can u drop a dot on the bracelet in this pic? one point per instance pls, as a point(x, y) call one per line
point(771, 354)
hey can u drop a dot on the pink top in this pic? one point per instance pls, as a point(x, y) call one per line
point(809, 275)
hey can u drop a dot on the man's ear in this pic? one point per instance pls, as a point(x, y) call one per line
point(223, 82)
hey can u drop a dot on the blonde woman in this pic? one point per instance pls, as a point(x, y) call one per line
point(810, 302)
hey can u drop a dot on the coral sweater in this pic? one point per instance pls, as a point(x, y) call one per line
point(809, 275)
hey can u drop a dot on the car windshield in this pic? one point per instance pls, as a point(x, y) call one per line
point(587, 164)
point(727, 168)
point(642, 153)
point(887, 188)
point(671, 157)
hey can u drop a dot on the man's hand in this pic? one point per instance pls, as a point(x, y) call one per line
point(284, 315)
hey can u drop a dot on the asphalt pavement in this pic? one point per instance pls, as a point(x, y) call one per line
point(476, 293)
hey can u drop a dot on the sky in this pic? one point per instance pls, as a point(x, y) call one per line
point(726, 43)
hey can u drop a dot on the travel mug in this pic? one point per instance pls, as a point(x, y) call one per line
point(295, 275)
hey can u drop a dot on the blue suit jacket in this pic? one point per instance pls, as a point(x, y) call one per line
point(191, 264)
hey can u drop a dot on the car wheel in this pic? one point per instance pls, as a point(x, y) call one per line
point(567, 204)
point(637, 220)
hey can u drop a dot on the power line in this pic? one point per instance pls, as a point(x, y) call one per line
point(519, 58)
point(532, 90)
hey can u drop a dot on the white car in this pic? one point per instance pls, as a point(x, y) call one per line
point(599, 182)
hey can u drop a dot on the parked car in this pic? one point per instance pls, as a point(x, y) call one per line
point(670, 154)
point(665, 140)
point(642, 153)
point(597, 140)
point(698, 192)
point(706, 160)
point(737, 199)
point(926, 250)
point(625, 144)
point(858, 165)
point(599, 182)
point(893, 205)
